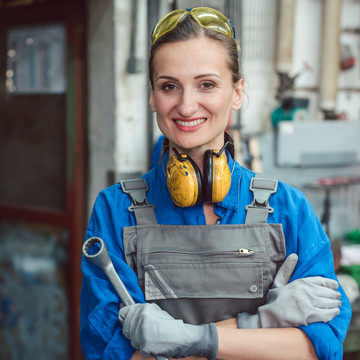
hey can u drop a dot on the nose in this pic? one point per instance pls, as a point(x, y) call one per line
point(188, 104)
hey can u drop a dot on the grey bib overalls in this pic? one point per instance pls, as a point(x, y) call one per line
point(205, 273)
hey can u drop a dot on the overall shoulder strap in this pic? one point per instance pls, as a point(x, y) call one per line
point(136, 190)
point(262, 187)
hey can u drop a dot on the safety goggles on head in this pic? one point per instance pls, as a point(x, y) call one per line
point(206, 17)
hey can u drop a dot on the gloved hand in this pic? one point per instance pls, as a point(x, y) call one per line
point(155, 333)
point(302, 302)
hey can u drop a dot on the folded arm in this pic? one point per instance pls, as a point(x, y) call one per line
point(277, 344)
point(243, 344)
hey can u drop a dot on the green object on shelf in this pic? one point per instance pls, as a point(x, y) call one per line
point(353, 236)
point(290, 108)
point(280, 114)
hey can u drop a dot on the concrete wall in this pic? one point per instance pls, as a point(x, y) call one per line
point(117, 99)
point(131, 90)
point(101, 97)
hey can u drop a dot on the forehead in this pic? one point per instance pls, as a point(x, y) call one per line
point(191, 56)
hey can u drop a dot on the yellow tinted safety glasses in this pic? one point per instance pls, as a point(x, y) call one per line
point(206, 17)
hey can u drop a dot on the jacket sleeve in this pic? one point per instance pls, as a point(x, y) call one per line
point(315, 259)
point(100, 330)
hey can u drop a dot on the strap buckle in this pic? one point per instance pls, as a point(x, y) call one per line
point(262, 189)
point(136, 189)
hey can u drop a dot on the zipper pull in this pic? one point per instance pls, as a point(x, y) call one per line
point(246, 251)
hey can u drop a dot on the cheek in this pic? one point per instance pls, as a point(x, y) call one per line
point(162, 108)
point(218, 104)
point(162, 104)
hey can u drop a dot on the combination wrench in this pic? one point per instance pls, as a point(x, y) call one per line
point(101, 258)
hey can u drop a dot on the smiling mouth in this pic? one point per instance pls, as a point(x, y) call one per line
point(189, 123)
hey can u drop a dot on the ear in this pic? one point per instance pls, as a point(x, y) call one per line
point(152, 101)
point(238, 95)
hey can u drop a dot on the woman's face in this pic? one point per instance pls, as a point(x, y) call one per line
point(193, 93)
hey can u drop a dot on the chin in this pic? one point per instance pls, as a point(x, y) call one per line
point(195, 141)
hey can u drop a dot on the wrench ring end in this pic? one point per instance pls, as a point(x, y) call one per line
point(89, 243)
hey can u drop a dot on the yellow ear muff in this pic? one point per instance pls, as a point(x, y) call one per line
point(183, 180)
point(217, 176)
point(221, 178)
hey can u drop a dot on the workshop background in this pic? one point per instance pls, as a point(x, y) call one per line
point(74, 119)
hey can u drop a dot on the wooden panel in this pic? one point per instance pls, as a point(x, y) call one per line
point(32, 151)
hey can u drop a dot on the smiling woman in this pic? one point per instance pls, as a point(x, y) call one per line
point(211, 252)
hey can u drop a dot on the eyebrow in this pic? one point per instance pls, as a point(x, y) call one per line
point(206, 75)
point(165, 77)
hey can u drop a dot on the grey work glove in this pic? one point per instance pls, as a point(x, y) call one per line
point(155, 333)
point(302, 302)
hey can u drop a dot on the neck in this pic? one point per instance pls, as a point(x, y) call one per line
point(196, 155)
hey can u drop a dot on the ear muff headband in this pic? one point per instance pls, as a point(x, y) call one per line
point(208, 175)
point(229, 144)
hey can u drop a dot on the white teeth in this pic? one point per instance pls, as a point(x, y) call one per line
point(190, 123)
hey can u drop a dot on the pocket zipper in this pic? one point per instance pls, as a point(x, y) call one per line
point(241, 251)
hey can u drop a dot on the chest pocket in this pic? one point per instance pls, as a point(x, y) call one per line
point(205, 273)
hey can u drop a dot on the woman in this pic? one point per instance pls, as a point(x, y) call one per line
point(210, 270)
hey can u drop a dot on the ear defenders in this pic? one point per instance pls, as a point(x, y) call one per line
point(186, 185)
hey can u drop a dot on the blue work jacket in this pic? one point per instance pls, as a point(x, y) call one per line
point(101, 332)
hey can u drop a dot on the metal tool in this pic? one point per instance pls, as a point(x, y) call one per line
point(101, 258)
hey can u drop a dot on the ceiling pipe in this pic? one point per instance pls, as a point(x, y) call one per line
point(285, 46)
point(285, 36)
point(329, 57)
